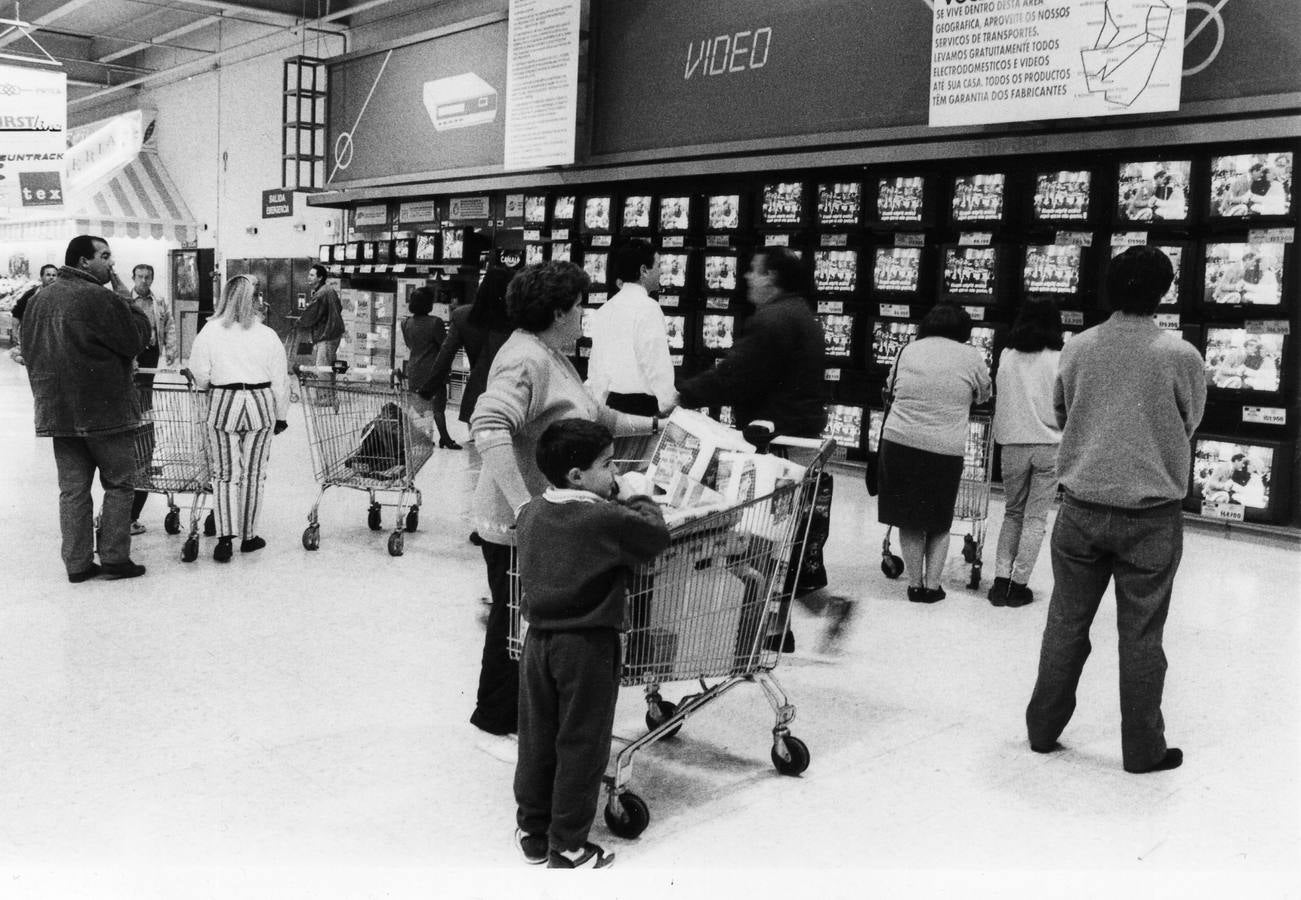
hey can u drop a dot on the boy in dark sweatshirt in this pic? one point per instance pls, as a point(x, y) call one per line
point(576, 546)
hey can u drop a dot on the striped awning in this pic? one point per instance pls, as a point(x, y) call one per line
point(138, 200)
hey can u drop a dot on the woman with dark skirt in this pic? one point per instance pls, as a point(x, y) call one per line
point(932, 385)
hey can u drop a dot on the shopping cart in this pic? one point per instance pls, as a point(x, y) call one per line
point(973, 500)
point(362, 435)
point(171, 449)
point(703, 609)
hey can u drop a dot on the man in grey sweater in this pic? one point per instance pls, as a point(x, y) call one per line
point(1128, 397)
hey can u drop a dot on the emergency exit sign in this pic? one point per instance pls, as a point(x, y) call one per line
point(277, 203)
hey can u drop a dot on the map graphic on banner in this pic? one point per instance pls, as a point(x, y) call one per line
point(33, 125)
point(1021, 60)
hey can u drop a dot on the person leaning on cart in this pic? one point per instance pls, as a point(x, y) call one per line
point(80, 340)
point(577, 547)
point(532, 384)
point(933, 383)
point(244, 363)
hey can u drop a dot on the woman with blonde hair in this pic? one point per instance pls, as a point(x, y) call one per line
point(243, 361)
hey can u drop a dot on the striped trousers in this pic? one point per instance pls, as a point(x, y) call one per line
point(239, 439)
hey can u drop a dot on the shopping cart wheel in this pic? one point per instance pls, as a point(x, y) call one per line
point(969, 548)
point(312, 537)
point(657, 711)
point(372, 517)
point(413, 518)
point(395, 544)
point(891, 565)
point(631, 819)
point(799, 756)
point(190, 549)
point(172, 521)
point(210, 525)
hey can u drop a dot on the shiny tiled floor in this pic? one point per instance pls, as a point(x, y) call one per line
point(299, 720)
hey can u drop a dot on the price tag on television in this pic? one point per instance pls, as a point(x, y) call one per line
point(831, 375)
point(596, 299)
point(895, 310)
point(669, 301)
point(909, 239)
point(717, 302)
point(1269, 236)
point(835, 240)
point(776, 240)
point(560, 234)
point(974, 239)
point(718, 240)
point(1264, 415)
point(673, 240)
point(365, 269)
point(676, 358)
point(1075, 238)
point(1168, 321)
point(602, 240)
point(1129, 239)
point(1225, 512)
point(831, 307)
point(977, 313)
point(1267, 326)
point(1069, 317)
point(534, 235)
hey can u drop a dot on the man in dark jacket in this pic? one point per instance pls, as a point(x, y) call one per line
point(80, 340)
point(322, 321)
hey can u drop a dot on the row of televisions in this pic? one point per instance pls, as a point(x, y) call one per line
point(1245, 365)
point(1231, 477)
point(1222, 277)
point(1144, 191)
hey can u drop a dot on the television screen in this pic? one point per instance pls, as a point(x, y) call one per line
point(636, 212)
point(596, 213)
point(875, 419)
point(587, 322)
point(900, 199)
point(716, 331)
point(720, 272)
point(383, 251)
point(594, 264)
point(675, 213)
point(838, 335)
point(783, 203)
point(535, 209)
point(896, 269)
point(839, 203)
point(366, 252)
point(324, 252)
point(563, 211)
point(1176, 254)
point(982, 338)
point(453, 245)
point(1241, 274)
point(978, 198)
point(427, 247)
point(1052, 269)
point(844, 425)
point(889, 337)
point(676, 329)
point(835, 271)
point(1062, 196)
point(724, 212)
point(562, 251)
point(1233, 473)
point(1153, 191)
point(1252, 184)
point(1240, 361)
point(534, 253)
point(969, 272)
point(350, 251)
point(673, 271)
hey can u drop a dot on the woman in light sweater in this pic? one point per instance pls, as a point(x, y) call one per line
point(1025, 427)
point(531, 384)
point(933, 383)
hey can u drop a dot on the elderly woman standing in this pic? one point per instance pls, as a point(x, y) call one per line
point(243, 361)
point(933, 382)
point(532, 384)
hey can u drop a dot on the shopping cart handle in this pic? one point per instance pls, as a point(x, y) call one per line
point(805, 443)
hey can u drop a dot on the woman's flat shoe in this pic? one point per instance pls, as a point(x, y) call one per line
point(448, 444)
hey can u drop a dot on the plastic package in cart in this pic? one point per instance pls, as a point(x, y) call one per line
point(689, 444)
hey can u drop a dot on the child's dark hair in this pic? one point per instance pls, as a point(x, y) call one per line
point(570, 444)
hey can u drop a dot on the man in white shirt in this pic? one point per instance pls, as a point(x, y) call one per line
point(630, 369)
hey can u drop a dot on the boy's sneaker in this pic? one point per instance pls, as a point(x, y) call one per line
point(533, 847)
point(590, 857)
point(137, 528)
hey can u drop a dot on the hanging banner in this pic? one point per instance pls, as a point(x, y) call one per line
point(1022, 60)
point(542, 82)
point(33, 127)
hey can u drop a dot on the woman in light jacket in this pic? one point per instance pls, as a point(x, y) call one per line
point(243, 362)
point(933, 383)
point(1025, 427)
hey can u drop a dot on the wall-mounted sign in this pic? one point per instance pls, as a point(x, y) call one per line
point(542, 82)
point(461, 209)
point(370, 215)
point(33, 118)
point(419, 212)
point(277, 203)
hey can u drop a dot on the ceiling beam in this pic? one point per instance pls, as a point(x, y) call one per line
point(66, 8)
point(258, 16)
point(159, 39)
